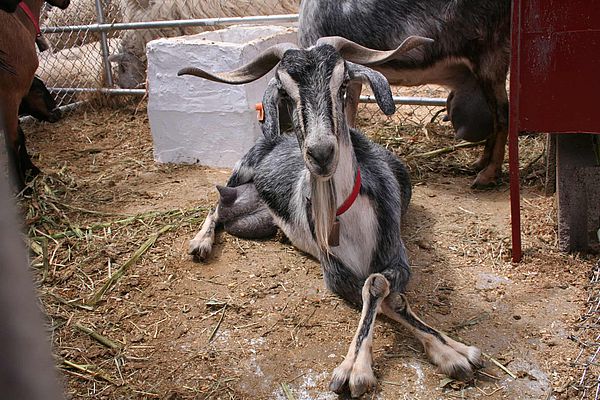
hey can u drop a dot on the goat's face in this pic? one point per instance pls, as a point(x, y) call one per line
point(130, 71)
point(312, 83)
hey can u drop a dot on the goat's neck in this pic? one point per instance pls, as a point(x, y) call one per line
point(345, 173)
point(36, 7)
point(327, 196)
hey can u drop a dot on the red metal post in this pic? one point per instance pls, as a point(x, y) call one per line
point(513, 133)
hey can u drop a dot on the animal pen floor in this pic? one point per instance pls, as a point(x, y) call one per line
point(256, 321)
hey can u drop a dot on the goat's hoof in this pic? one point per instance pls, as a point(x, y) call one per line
point(361, 382)
point(200, 250)
point(339, 378)
point(459, 368)
point(486, 181)
point(474, 357)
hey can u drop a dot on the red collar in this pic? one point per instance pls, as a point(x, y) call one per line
point(350, 200)
point(32, 18)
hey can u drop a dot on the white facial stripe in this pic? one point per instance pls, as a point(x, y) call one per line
point(290, 85)
point(337, 78)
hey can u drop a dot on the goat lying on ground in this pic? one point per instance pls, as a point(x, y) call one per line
point(18, 33)
point(304, 179)
point(470, 55)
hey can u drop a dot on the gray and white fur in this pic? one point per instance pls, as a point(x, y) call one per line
point(470, 55)
point(303, 179)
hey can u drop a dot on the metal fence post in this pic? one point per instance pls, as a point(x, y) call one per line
point(104, 44)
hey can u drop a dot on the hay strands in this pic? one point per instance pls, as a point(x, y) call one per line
point(95, 335)
point(499, 365)
point(89, 369)
point(449, 149)
point(216, 328)
point(79, 231)
point(123, 269)
point(287, 391)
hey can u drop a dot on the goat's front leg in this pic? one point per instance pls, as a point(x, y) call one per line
point(356, 368)
point(453, 358)
point(201, 244)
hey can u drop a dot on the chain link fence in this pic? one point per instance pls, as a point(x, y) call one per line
point(87, 38)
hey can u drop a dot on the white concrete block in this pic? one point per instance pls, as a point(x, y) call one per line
point(197, 121)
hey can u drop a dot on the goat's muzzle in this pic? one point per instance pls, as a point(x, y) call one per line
point(321, 159)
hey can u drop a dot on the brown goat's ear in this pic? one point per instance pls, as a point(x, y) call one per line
point(270, 126)
point(379, 85)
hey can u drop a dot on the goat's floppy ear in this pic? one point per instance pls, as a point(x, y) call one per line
point(378, 83)
point(270, 126)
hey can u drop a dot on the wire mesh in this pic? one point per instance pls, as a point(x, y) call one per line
point(588, 358)
point(75, 58)
point(414, 115)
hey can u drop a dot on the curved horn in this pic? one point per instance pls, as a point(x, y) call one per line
point(356, 53)
point(249, 72)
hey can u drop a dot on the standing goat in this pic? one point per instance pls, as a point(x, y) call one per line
point(304, 180)
point(18, 33)
point(470, 55)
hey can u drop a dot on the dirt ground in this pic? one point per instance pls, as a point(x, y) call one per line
point(256, 321)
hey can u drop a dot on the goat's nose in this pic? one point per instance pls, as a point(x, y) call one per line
point(321, 155)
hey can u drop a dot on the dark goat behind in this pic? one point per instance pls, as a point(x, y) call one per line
point(470, 55)
point(39, 103)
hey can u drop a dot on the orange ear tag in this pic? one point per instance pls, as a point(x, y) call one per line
point(260, 112)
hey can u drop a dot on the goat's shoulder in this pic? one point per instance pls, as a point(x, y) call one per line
point(378, 165)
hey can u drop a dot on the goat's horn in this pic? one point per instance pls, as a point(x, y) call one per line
point(358, 54)
point(255, 69)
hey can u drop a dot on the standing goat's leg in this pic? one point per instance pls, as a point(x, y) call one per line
point(201, 244)
point(486, 154)
point(356, 368)
point(453, 358)
point(491, 164)
point(352, 99)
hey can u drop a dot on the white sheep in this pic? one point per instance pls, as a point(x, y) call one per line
point(81, 66)
point(79, 12)
point(131, 59)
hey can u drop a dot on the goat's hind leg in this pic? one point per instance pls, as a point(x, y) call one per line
point(453, 358)
point(356, 370)
point(201, 245)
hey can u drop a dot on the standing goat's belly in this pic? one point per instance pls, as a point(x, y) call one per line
point(443, 72)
